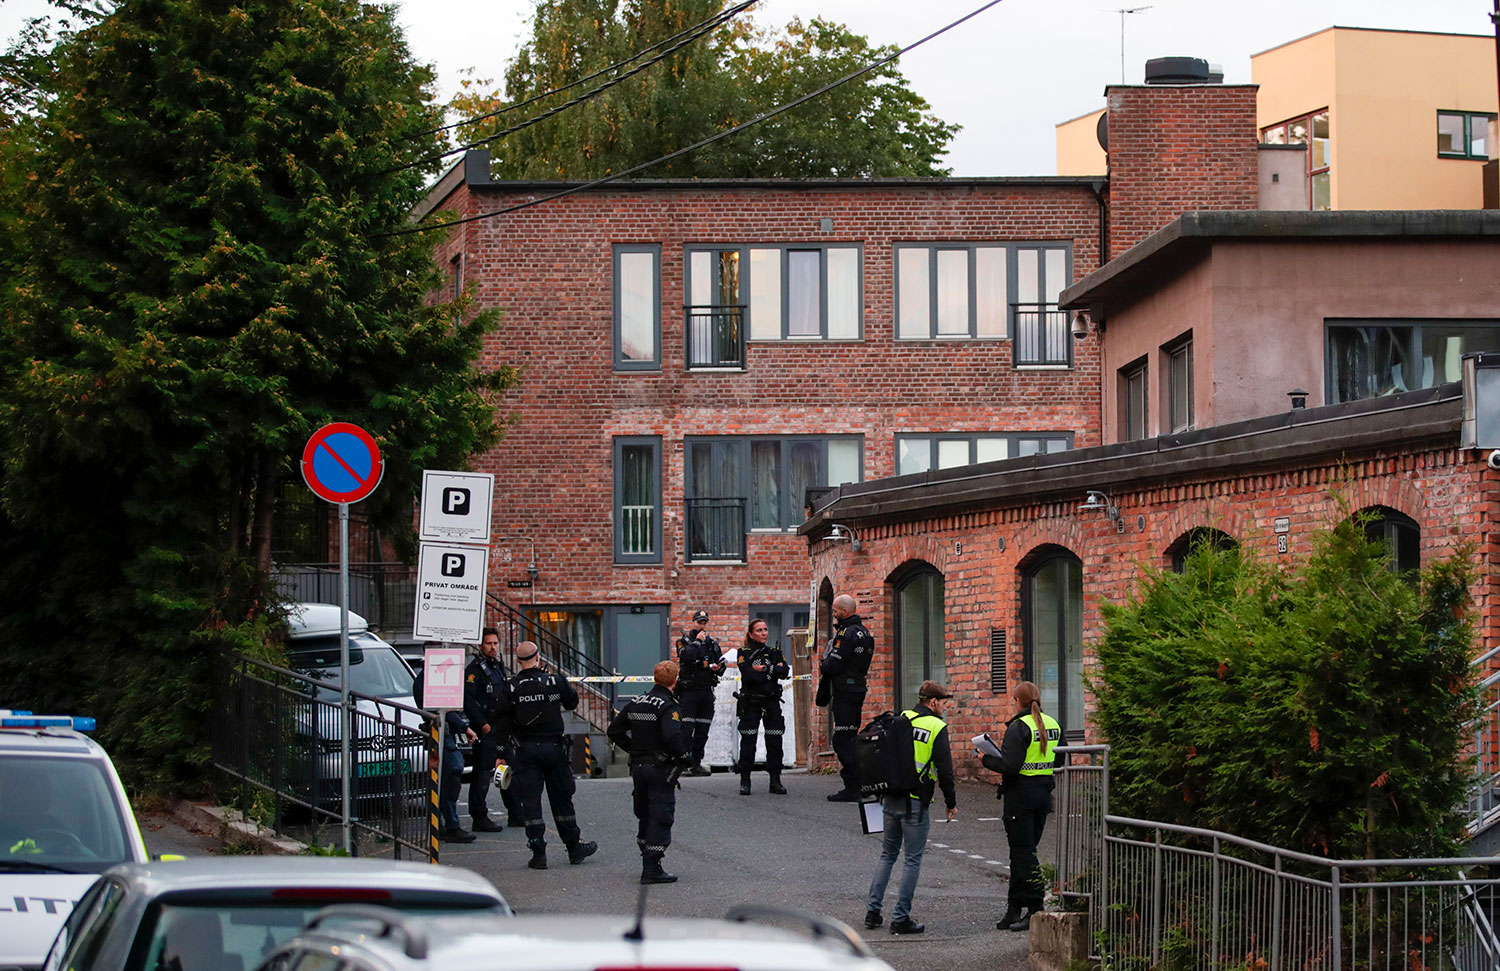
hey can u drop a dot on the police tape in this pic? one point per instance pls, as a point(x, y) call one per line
point(648, 679)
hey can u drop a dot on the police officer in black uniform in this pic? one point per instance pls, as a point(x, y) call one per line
point(843, 669)
point(762, 667)
point(700, 661)
point(484, 680)
point(650, 728)
point(530, 711)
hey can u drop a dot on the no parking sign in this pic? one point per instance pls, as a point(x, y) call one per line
point(342, 463)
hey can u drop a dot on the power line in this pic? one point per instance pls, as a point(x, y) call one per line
point(796, 102)
point(722, 15)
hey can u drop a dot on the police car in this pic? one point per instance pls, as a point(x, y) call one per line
point(355, 938)
point(64, 818)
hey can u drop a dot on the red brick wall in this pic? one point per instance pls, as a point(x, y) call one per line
point(1176, 148)
point(1449, 493)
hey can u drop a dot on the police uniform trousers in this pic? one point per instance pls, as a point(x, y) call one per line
point(753, 711)
point(655, 802)
point(844, 711)
point(486, 751)
point(543, 763)
point(697, 715)
point(1026, 810)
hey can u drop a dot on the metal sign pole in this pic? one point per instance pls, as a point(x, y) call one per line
point(348, 722)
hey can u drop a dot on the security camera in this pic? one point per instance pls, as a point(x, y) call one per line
point(1494, 459)
point(1080, 325)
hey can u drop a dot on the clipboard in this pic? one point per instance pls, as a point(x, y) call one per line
point(871, 817)
point(985, 745)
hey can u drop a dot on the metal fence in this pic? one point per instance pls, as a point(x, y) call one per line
point(1042, 334)
point(714, 336)
point(1163, 896)
point(384, 594)
point(1484, 734)
point(595, 699)
point(282, 733)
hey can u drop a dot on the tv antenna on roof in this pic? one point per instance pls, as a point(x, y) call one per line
point(1122, 11)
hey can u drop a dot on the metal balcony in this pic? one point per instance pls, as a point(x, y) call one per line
point(1042, 335)
point(714, 336)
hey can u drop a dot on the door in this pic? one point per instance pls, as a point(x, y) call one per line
point(638, 641)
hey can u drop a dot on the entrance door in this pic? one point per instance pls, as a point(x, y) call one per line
point(639, 640)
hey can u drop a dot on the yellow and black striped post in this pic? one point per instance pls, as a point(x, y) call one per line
point(588, 757)
point(434, 766)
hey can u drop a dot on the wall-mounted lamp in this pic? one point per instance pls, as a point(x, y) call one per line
point(840, 533)
point(1099, 501)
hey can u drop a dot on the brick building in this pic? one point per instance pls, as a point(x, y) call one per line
point(697, 355)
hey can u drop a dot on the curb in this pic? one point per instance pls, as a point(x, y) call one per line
point(232, 827)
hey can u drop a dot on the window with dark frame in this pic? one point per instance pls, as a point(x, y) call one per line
point(1052, 612)
point(1133, 394)
point(1312, 130)
point(637, 308)
point(1399, 534)
point(791, 291)
point(1464, 134)
point(1179, 371)
point(637, 477)
point(779, 619)
point(921, 453)
point(920, 645)
point(1369, 359)
point(1196, 538)
point(457, 266)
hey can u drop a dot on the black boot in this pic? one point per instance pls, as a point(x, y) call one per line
point(538, 859)
point(1023, 920)
point(1012, 911)
point(744, 783)
point(651, 871)
point(582, 850)
point(907, 926)
point(777, 789)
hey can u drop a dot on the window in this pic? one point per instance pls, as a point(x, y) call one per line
point(1369, 359)
point(921, 453)
point(1053, 613)
point(1399, 534)
point(920, 652)
point(1311, 130)
point(456, 268)
point(1179, 371)
point(1199, 537)
point(637, 301)
point(637, 500)
point(735, 485)
point(1464, 134)
point(986, 290)
point(577, 626)
point(780, 618)
point(1133, 401)
point(715, 312)
point(790, 292)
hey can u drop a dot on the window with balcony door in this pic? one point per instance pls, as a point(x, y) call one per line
point(979, 291)
point(737, 485)
point(1368, 359)
point(1313, 131)
point(768, 293)
point(637, 463)
point(921, 453)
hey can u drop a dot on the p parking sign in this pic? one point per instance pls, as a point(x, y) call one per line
point(450, 593)
point(456, 507)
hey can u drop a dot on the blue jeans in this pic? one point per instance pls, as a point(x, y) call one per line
point(906, 823)
point(450, 780)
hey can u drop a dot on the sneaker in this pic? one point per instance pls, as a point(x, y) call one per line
point(907, 926)
point(457, 836)
point(486, 825)
point(582, 850)
point(873, 919)
point(844, 795)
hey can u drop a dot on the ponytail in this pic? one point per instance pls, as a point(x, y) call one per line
point(1027, 694)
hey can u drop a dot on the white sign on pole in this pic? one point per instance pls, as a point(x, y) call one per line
point(450, 593)
point(442, 678)
point(456, 507)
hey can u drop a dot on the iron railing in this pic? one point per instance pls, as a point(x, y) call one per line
point(1041, 334)
point(638, 529)
point(384, 594)
point(1484, 735)
point(282, 732)
point(714, 336)
point(715, 530)
point(1163, 895)
point(595, 698)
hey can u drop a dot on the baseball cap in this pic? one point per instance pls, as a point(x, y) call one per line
point(933, 689)
point(701, 615)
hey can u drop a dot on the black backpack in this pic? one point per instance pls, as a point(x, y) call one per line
point(886, 757)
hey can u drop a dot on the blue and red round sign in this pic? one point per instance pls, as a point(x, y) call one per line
point(341, 463)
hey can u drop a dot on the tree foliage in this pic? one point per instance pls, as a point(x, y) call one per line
point(1319, 708)
point(874, 126)
point(201, 278)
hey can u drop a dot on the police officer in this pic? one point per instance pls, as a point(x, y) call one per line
point(484, 680)
point(700, 661)
point(530, 711)
point(1026, 762)
point(843, 669)
point(650, 728)
point(762, 667)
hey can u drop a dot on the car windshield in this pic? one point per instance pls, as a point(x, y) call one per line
point(374, 666)
point(215, 937)
point(58, 814)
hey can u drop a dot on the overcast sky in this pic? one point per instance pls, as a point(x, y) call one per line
point(1008, 76)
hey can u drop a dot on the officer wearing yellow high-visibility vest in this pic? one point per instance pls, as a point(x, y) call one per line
point(1027, 758)
point(906, 814)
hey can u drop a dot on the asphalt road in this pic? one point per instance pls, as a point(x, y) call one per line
point(798, 851)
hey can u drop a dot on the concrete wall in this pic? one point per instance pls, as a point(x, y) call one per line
point(1283, 177)
point(1078, 151)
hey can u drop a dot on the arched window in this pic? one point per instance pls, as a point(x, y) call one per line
point(920, 654)
point(1216, 539)
point(823, 623)
point(1400, 534)
point(1052, 611)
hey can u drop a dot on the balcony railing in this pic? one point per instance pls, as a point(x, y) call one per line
point(638, 523)
point(715, 529)
point(714, 336)
point(1042, 335)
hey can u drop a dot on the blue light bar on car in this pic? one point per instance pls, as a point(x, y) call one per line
point(25, 719)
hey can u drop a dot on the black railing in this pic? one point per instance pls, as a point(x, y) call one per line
point(282, 732)
point(1041, 334)
point(384, 594)
point(715, 529)
point(714, 336)
point(595, 698)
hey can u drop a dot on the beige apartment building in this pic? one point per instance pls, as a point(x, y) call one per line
point(1390, 119)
